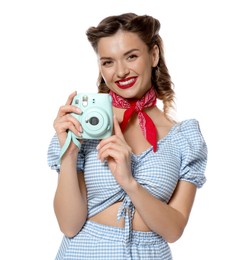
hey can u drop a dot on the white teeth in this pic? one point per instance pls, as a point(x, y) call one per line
point(126, 82)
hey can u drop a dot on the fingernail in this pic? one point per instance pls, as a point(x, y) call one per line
point(78, 110)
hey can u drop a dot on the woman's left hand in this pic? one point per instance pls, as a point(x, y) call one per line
point(117, 152)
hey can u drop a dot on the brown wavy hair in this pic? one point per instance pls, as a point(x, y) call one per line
point(147, 28)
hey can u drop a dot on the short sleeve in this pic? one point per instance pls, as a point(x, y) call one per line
point(193, 153)
point(53, 155)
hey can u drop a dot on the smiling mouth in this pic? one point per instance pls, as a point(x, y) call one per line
point(127, 83)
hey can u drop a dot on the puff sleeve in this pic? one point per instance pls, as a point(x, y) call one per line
point(53, 155)
point(193, 151)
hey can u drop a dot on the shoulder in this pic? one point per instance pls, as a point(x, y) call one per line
point(188, 136)
point(188, 125)
point(188, 129)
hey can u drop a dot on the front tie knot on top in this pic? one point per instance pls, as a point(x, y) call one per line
point(138, 105)
point(126, 211)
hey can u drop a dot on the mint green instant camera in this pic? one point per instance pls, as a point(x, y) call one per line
point(97, 115)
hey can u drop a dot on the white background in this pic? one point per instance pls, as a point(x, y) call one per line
point(44, 56)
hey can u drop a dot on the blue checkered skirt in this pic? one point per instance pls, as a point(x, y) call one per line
point(101, 242)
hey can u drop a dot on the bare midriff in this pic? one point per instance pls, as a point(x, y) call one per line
point(109, 217)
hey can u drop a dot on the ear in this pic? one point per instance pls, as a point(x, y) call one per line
point(155, 55)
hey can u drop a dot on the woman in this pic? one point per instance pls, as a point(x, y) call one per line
point(129, 195)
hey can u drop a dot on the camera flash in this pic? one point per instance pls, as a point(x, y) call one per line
point(85, 101)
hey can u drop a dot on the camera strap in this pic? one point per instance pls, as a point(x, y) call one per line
point(70, 137)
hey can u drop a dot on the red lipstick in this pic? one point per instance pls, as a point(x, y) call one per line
point(126, 83)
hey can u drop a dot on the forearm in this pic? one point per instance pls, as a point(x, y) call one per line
point(157, 215)
point(70, 203)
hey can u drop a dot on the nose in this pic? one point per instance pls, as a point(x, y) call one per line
point(122, 70)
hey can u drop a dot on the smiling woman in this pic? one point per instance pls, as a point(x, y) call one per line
point(124, 64)
point(129, 195)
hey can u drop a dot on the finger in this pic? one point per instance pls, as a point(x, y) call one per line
point(69, 126)
point(73, 120)
point(105, 146)
point(117, 129)
point(68, 109)
point(67, 119)
point(70, 98)
point(105, 142)
point(110, 150)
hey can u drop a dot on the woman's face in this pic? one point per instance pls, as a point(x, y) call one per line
point(126, 64)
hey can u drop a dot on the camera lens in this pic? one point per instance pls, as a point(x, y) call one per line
point(94, 120)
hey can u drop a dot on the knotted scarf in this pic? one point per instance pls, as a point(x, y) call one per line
point(137, 106)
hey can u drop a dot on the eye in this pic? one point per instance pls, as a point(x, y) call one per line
point(107, 63)
point(132, 57)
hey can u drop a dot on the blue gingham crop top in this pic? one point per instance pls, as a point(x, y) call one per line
point(180, 155)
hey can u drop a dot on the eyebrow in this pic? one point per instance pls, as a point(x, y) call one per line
point(125, 54)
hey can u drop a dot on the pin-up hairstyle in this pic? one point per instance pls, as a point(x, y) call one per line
point(147, 28)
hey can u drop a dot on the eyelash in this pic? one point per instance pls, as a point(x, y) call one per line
point(130, 57)
point(105, 63)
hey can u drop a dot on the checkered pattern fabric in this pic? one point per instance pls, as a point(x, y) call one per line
point(181, 155)
point(100, 242)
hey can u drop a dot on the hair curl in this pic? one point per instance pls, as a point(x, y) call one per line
point(147, 28)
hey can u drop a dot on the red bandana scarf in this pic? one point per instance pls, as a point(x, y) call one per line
point(138, 105)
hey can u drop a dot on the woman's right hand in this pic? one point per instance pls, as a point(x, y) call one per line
point(64, 121)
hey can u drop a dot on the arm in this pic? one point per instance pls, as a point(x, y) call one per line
point(168, 220)
point(70, 202)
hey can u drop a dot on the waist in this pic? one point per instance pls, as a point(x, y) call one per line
point(114, 234)
point(108, 217)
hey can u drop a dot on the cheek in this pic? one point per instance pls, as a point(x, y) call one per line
point(143, 66)
point(107, 74)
